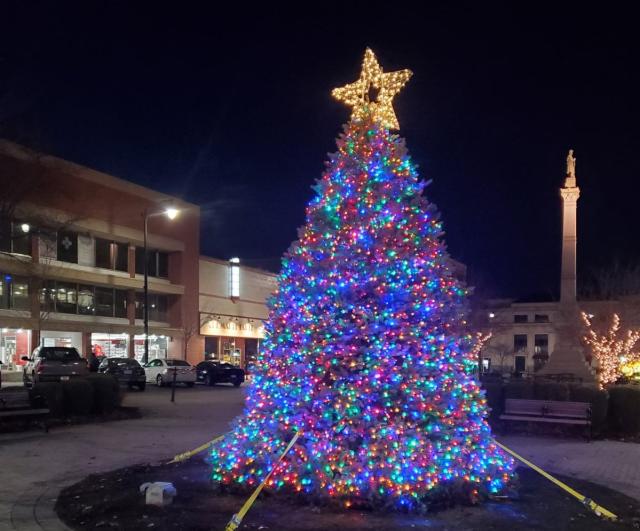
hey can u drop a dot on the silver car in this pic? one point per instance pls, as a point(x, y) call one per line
point(53, 364)
point(162, 371)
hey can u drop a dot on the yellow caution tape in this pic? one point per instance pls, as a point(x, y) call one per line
point(236, 519)
point(588, 502)
point(186, 455)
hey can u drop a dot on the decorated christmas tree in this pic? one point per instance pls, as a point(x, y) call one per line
point(366, 354)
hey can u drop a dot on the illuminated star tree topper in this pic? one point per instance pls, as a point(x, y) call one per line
point(357, 94)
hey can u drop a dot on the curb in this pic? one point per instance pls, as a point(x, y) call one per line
point(35, 511)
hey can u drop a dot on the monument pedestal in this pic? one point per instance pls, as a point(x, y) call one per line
point(568, 354)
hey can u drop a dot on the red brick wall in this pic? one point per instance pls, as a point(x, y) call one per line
point(80, 199)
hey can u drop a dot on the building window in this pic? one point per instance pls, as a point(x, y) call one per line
point(82, 299)
point(112, 255)
point(4, 293)
point(519, 342)
point(157, 263)
point(21, 238)
point(152, 263)
point(48, 296)
point(104, 302)
point(541, 318)
point(121, 256)
point(234, 277)
point(15, 237)
point(163, 265)
point(86, 302)
point(120, 305)
point(520, 364)
point(520, 318)
point(66, 298)
point(14, 293)
point(68, 247)
point(541, 344)
point(157, 306)
point(103, 253)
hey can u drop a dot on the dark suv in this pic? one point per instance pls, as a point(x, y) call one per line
point(211, 372)
point(53, 364)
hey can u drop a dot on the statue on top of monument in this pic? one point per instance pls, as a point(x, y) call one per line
point(571, 165)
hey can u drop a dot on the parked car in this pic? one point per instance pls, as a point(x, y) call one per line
point(211, 372)
point(160, 372)
point(53, 364)
point(126, 370)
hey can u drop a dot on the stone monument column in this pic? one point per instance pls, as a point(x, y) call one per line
point(568, 355)
point(570, 194)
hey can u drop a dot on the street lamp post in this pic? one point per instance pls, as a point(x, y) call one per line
point(171, 213)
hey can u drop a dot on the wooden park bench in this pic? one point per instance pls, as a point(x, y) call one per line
point(552, 411)
point(16, 405)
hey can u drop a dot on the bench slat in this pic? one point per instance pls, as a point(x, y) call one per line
point(22, 412)
point(545, 419)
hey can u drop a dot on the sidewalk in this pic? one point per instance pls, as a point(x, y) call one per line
point(610, 463)
point(37, 465)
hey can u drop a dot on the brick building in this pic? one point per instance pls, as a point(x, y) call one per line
point(71, 262)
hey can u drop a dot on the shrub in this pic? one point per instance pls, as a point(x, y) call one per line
point(599, 400)
point(624, 409)
point(494, 394)
point(49, 395)
point(547, 390)
point(78, 397)
point(523, 390)
point(106, 393)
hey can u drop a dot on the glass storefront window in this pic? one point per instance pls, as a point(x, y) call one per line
point(110, 345)
point(14, 343)
point(62, 339)
point(158, 347)
point(231, 353)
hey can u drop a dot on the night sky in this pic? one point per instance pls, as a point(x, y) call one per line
point(232, 111)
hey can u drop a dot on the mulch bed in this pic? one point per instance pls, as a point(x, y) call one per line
point(113, 501)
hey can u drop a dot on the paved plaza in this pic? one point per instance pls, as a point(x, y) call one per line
point(37, 465)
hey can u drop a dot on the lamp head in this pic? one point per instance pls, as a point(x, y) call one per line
point(171, 212)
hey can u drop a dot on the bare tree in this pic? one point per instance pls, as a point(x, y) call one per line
point(612, 282)
point(502, 353)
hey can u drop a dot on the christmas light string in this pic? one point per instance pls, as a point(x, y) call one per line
point(611, 349)
point(366, 351)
